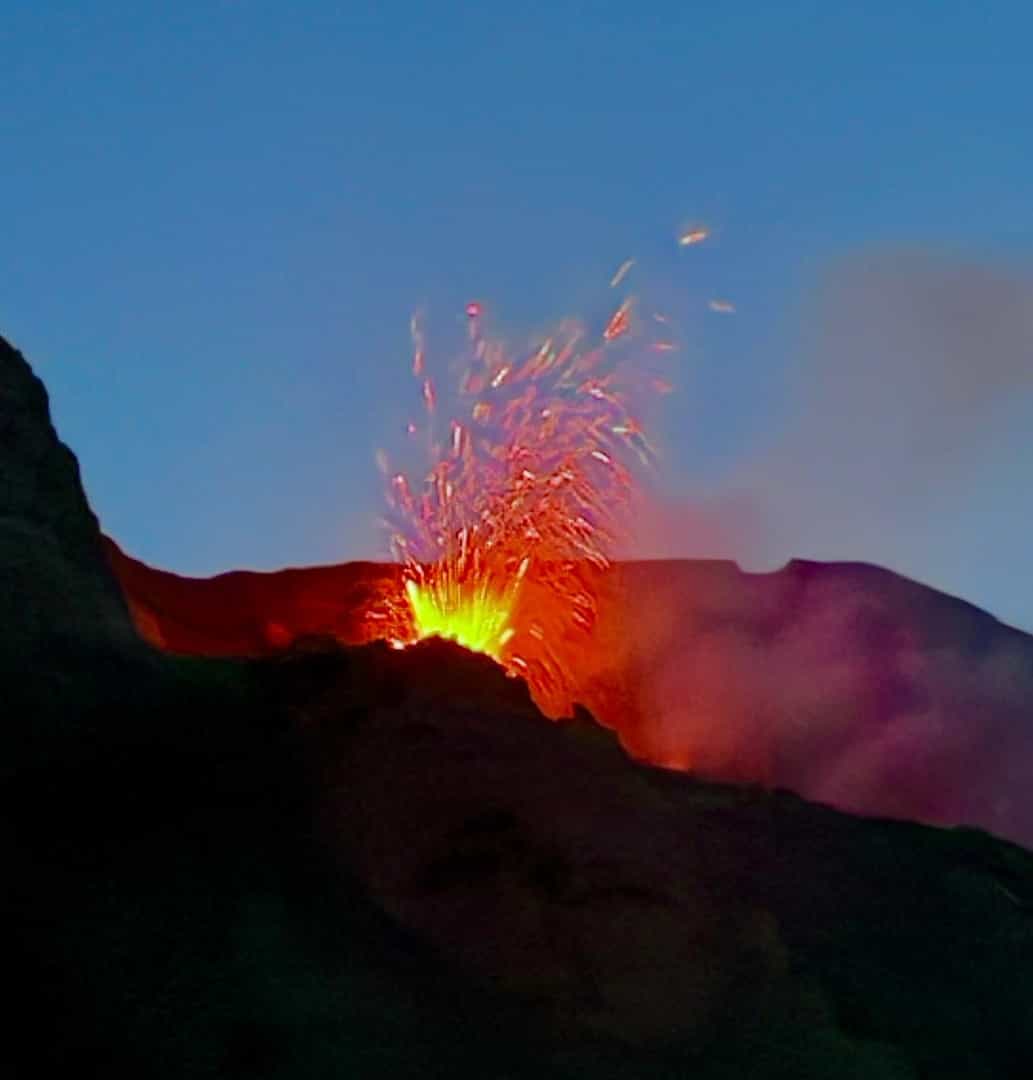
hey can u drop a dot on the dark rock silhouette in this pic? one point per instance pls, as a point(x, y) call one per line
point(52, 581)
point(350, 860)
point(63, 618)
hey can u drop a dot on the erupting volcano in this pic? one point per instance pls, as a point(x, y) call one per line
point(403, 845)
point(527, 490)
point(406, 682)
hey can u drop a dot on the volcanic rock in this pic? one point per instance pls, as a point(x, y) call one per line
point(53, 581)
point(244, 613)
point(59, 602)
point(352, 860)
point(843, 682)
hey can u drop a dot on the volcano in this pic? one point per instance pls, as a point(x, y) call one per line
point(842, 682)
point(245, 836)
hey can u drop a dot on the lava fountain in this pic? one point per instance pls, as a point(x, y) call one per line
point(527, 490)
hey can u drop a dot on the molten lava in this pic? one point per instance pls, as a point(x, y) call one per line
point(476, 611)
point(527, 492)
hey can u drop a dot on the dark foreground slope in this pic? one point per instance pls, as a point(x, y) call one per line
point(360, 862)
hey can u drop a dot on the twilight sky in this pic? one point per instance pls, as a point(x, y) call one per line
point(218, 217)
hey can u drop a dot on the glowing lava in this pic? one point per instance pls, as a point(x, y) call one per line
point(529, 483)
point(476, 611)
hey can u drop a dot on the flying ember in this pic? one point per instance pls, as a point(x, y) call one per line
point(695, 235)
point(524, 492)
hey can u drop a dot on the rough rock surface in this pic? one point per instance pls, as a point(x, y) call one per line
point(53, 581)
point(58, 599)
point(656, 910)
point(363, 862)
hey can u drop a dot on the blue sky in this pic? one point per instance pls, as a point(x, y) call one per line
point(218, 218)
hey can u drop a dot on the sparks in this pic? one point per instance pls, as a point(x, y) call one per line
point(695, 235)
point(622, 273)
point(474, 614)
point(429, 395)
point(722, 307)
point(620, 322)
point(521, 499)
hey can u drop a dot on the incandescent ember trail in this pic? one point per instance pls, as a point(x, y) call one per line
point(526, 490)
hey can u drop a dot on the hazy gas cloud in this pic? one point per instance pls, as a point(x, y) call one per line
point(845, 683)
point(907, 445)
point(900, 382)
point(911, 396)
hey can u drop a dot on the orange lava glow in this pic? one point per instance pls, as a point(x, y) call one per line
point(526, 493)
